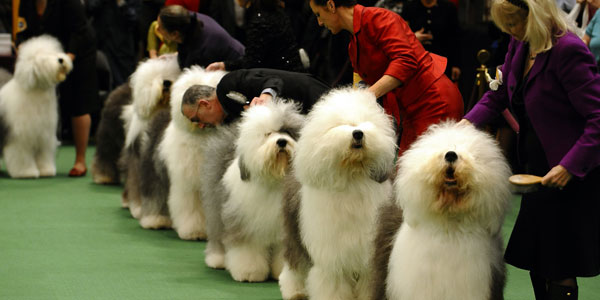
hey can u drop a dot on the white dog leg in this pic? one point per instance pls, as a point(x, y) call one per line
point(214, 255)
point(20, 162)
point(186, 211)
point(155, 222)
point(45, 159)
point(277, 262)
point(323, 285)
point(247, 263)
point(291, 284)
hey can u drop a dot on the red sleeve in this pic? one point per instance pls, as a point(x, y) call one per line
point(390, 33)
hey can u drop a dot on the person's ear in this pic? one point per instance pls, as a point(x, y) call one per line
point(331, 6)
point(203, 103)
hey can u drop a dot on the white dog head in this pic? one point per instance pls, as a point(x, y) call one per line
point(41, 63)
point(150, 84)
point(195, 75)
point(267, 140)
point(347, 137)
point(454, 173)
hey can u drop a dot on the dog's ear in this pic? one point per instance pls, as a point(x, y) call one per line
point(244, 172)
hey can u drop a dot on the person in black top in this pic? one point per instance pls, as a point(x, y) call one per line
point(208, 107)
point(270, 40)
point(201, 40)
point(435, 23)
point(66, 20)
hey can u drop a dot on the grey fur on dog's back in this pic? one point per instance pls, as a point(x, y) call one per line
point(219, 152)
point(388, 222)
point(110, 136)
point(295, 252)
point(154, 178)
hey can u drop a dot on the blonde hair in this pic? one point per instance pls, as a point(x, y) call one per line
point(544, 21)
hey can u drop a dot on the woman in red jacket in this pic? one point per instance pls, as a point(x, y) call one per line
point(387, 56)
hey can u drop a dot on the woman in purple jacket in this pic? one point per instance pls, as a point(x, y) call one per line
point(552, 86)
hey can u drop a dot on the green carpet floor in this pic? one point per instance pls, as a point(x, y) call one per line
point(67, 238)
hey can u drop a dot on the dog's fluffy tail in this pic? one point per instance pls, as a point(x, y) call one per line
point(388, 222)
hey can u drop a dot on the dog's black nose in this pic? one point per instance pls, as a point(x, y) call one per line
point(451, 156)
point(60, 61)
point(357, 135)
point(281, 142)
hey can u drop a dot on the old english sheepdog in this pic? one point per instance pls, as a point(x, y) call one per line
point(110, 137)
point(150, 86)
point(252, 213)
point(452, 186)
point(181, 149)
point(344, 158)
point(28, 108)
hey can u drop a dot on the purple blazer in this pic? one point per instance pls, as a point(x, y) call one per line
point(562, 100)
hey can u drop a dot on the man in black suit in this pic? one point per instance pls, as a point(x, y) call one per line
point(208, 107)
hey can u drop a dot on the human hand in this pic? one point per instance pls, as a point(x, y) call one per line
point(261, 100)
point(557, 177)
point(423, 37)
point(464, 122)
point(216, 66)
point(71, 56)
point(167, 55)
point(455, 75)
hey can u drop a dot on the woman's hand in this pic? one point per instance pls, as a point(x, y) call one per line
point(71, 56)
point(465, 122)
point(558, 177)
point(423, 37)
point(216, 66)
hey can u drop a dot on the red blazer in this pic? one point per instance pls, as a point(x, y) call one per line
point(383, 44)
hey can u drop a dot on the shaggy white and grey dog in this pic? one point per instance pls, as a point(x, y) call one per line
point(110, 137)
point(452, 187)
point(28, 108)
point(344, 157)
point(150, 87)
point(181, 149)
point(252, 213)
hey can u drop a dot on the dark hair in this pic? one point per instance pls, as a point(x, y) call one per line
point(266, 4)
point(177, 18)
point(195, 92)
point(346, 3)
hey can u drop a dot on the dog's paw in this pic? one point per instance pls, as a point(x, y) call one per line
point(135, 210)
point(247, 266)
point(48, 171)
point(99, 178)
point(215, 260)
point(24, 174)
point(291, 285)
point(155, 222)
point(191, 234)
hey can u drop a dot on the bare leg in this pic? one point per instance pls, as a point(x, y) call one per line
point(81, 133)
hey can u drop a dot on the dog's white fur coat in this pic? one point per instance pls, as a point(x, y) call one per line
point(181, 149)
point(344, 181)
point(28, 108)
point(449, 246)
point(252, 213)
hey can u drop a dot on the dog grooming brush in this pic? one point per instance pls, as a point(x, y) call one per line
point(524, 183)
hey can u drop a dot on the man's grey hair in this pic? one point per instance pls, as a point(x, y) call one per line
point(195, 92)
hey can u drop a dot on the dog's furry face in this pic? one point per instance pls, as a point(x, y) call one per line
point(267, 139)
point(347, 137)
point(150, 84)
point(42, 63)
point(453, 172)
